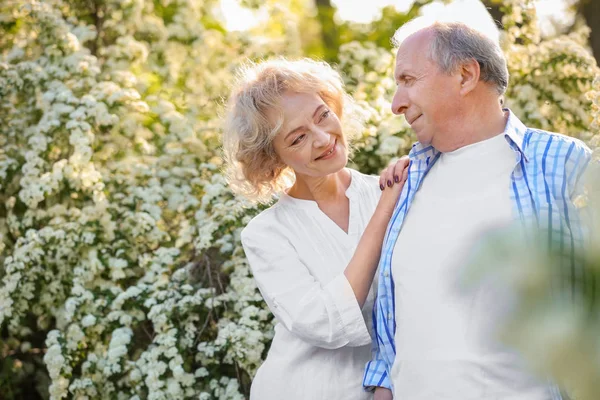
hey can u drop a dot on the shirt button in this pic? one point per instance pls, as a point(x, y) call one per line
point(389, 316)
point(386, 274)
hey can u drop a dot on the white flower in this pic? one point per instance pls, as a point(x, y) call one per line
point(88, 321)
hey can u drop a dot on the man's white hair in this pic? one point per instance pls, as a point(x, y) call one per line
point(469, 12)
point(460, 40)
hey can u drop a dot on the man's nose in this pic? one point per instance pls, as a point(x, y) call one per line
point(400, 101)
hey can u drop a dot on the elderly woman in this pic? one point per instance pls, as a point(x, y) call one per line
point(314, 253)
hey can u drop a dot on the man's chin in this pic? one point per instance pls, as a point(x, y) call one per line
point(425, 140)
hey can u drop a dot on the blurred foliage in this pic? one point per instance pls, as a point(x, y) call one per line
point(555, 316)
point(335, 33)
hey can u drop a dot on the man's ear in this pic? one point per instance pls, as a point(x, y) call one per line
point(469, 76)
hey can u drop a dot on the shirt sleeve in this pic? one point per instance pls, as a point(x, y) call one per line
point(577, 160)
point(326, 316)
point(579, 169)
point(376, 374)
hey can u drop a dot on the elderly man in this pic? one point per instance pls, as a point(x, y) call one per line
point(475, 167)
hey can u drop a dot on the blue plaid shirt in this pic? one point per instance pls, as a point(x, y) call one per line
point(543, 182)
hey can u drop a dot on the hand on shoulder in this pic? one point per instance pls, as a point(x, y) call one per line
point(391, 182)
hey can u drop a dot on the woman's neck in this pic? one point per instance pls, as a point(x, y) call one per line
point(322, 188)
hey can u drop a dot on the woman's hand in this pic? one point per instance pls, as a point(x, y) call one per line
point(391, 182)
point(382, 393)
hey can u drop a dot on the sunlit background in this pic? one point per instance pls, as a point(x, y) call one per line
point(550, 12)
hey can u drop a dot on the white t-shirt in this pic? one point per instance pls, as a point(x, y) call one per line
point(322, 338)
point(445, 343)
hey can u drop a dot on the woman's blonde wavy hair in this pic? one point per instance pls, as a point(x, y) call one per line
point(252, 167)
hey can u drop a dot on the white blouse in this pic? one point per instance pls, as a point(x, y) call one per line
point(322, 337)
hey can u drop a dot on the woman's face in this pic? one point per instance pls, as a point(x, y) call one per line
point(311, 141)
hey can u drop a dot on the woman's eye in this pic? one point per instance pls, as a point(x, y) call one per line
point(325, 115)
point(298, 139)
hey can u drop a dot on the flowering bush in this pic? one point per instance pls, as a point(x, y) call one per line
point(549, 78)
point(121, 265)
point(120, 240)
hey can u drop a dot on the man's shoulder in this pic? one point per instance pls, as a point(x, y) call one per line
point(564, 150)
point(538, 142)
point(556, 155)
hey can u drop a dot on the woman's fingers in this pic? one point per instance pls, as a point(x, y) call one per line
point(395, 173)
point(391, 193)
point(399, 167)
point(396, 188)
point(386, 179)
point(405, 173)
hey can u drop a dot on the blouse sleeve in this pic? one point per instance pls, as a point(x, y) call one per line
point(326, 316)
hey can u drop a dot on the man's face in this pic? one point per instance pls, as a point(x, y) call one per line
point(311, 141)
point(428, 97)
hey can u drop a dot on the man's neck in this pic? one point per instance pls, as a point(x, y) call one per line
point(481, 121)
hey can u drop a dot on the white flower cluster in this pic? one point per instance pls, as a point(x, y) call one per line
point(119, 235)
point(550, 77)
point(594, 96)
point(57, 365)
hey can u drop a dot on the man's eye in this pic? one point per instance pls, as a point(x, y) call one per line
point(298, 139)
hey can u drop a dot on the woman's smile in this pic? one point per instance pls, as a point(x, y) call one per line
point(329, 153)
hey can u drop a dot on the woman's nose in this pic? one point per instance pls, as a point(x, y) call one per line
point(321, 138)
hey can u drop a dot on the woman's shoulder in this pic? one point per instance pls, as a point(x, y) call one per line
point(268, 221)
